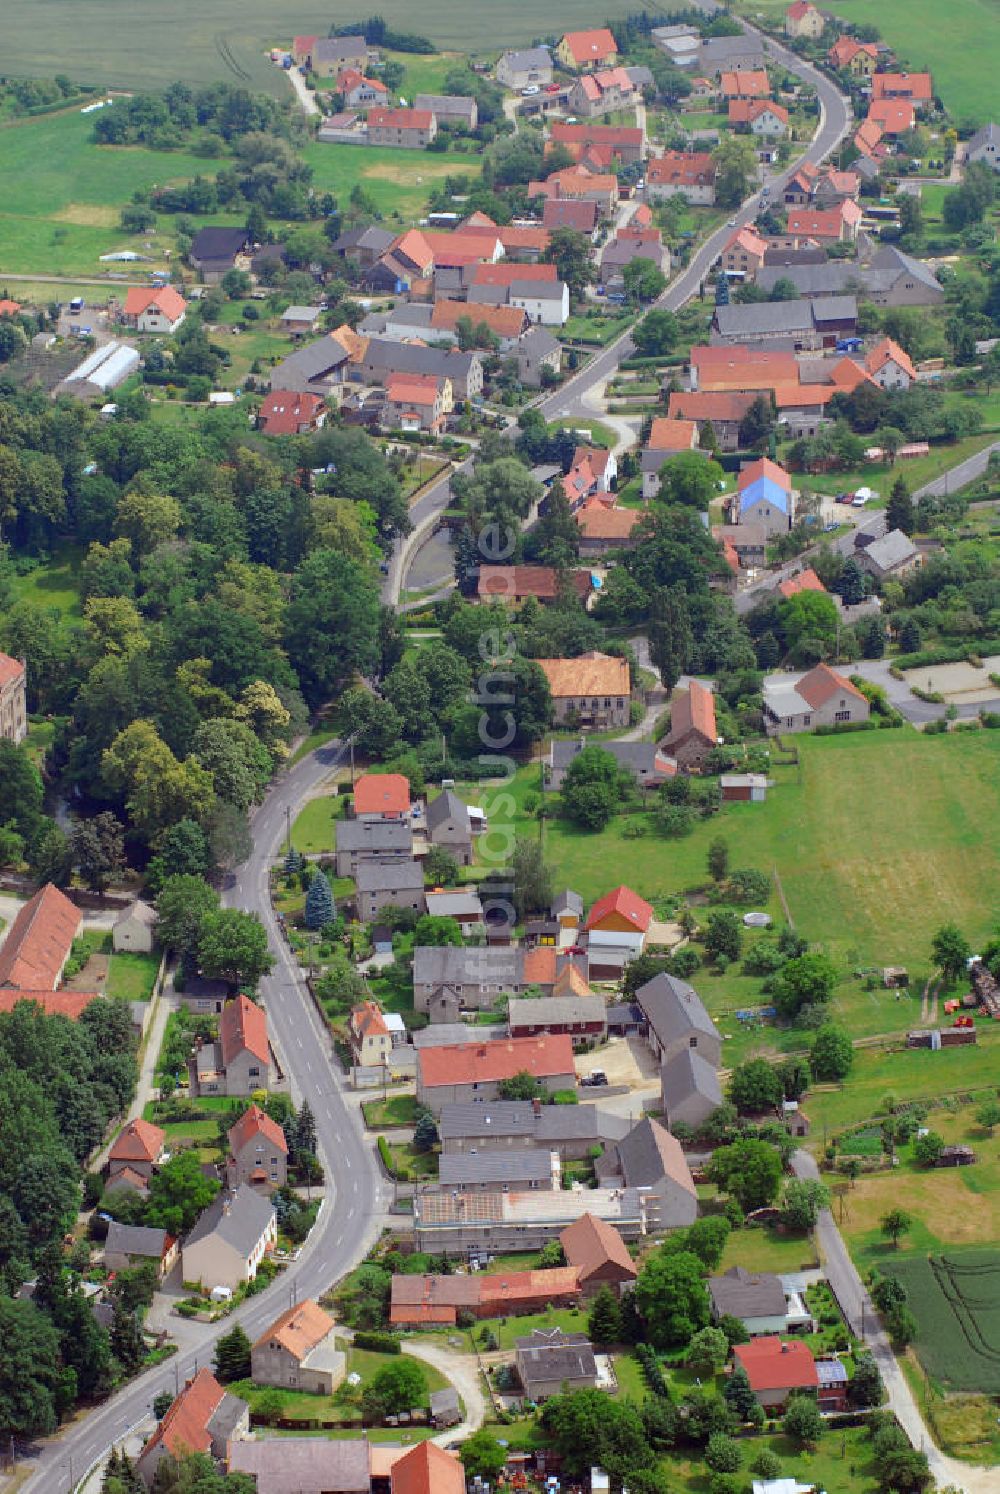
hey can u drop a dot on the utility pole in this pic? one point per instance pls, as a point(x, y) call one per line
point(288, 829)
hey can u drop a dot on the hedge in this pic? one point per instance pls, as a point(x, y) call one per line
point(956, 654)
point(386, 1155)
point(379, 1343)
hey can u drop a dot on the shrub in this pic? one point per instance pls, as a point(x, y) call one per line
point(378, 1343)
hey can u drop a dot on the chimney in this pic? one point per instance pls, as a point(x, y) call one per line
point(536, 1106)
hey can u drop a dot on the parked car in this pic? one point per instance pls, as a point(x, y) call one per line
point(530, 91)
point(596, 1078)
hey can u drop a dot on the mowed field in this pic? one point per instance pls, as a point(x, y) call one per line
point(958, 42)
point(956, 1301)
point(62, 195)
point(399, 181)
point(199, 41)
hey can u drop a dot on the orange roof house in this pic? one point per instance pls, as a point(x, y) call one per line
point(154, 308)
point(515, 583)
point(739, 368)
point(620, 911)
point(254, 1123)
point(590, 674)
point(138, 1146)
point(821, 683)
point(806, 580)
point(69, 1004)
point(745, 111)
point(8, 307)
point(692, 725)
point(298, 1330)
point(192, 1424)
point(602, 525)
point(868, 137)
point(917, 87)
point(598, 1252)
point(384, 796)
point(428, 1469)
point(753, 83)
point(583, 51)
point(835, 224)
point(288, 413)
point(846, 49)
point(668, 434)
point(505, 322)
point(751, 472)
point(889, 366)
point(893, 116)
point(243, 1029)
point(39, 941)
point(484, 1064)
point(775, 1367)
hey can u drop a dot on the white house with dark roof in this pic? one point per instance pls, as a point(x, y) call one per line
point(759, 1300)
point(985, 146)
point(821, 697)
point(229, 1240)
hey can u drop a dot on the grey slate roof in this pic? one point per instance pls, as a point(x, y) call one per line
point(333, 48)
point(538, 343)
point(893, 549)
point(218, 243)
point(373, 835)
point(549, 1354)
point(558, 1123)
point(747, 1294)
point(553, 1010)
point(240, 1220)
point(448, 965)
point(516, 1118)
point(448, 806)
point(226, 1418)
point(312, 361)
point(287, 1465)
point(891, 262)
point(989, 134)
point(448, 105)
point(638, 757)
point(811, 280)
point(647, 1155)
point(528, 1165)
point(568, 901)
point(674, 1009)
point(686, 1074)
point(445, 1035)
point(389, 876)
point(834, 309)
point(407, 357)
point(529, 58)
point(135, 1239)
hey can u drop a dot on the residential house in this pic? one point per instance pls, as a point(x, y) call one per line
point(746, 370)
point(593, 470)
point(287, 413)
point(448, 825)
point(833, 225)
point(474, 1172)
point(240, 1060)
point(889, 558)
point(602, 91)
point(724, 413)
point(676, 1020)
point(298, 1352)
point(599, 1254)
point(648, 766)
point(742, 53)
point(368, 1036)
point(913, 88)
point(301, 48)
point(668, 437)
point(689, 1088)
point(539, 358)
point(804, 21)
point(428, 1300)
point(764, 496)
point(475, 1071)
point(591, 690)
point(417, 402)
point(587, 51)
point(281, 1465)
point(448, 979)
point(318, 369)
point(215, 251)
point(13, 699)
point(154, 309)
point(258, 1152)
point(530, 67)
point(129, 1245)
point(573, 1131)
point(892, 278)
point(748, 541)
point(385, 884)
point(406, 129)
point(229, 1240)
point(889, 366)
point(806, 580)
point(821, 697)
point(516, 583)
point(760, 116)
point(836, 186)
point(371, 839)
point(620, 918)
point(138, 1147)
point(300, 319)
point(329, 55)
point(859, 58)
point(578, 1014)
point(381, 797)
point(757, 1298)
point(580, 183)
point(570, 212)
point(450, 108)
point(892, 116)
point(802, 325)
point(692, 732)
point(604, 528)
point(359, 92)
point(133, 931)
point(688, 173)
point(365, 245)
point(624, 143)
point(750, 83)
point(550, 1362)
point(628, 245)
point(985, 146)
point(383, 356)
point(776, 1368)
point(651, 1159)
point(744, 254)
point(506, 323)
point(203, 1418)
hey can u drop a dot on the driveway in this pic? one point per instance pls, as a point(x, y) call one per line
point(305, 96)
point(863, 1320)
point(462, 1371)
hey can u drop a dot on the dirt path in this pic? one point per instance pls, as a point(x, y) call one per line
point(462, 1371)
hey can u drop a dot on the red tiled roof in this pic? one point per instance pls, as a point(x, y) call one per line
point(590, 46)
point(774, 1364)
point(589, 674)
point(367, 1020)
point(806, 580)
point(696, 405)
point(284, 412)
point(599, 522)
point(668, 434)
point(799, 9)
point(763, 467)
point(468, 1063)
point(184, 1428)
point(506, 274)
point(140, 1141)
point(382, 793)
point(253, 1123)
point(820, 223)
point(590, 1243)
point(401, 119)
point(594, 134)
point(888, 351)
point(539, 968)
point(243, 1028)
point(53, 1003)
point(868, 136)
point(163, 298)
point(682, 169)
point(753, 83)
point(823, 682)
point(745, 111)
point(746, 239)
point(39, 940)
point(10, 670)
point(524, 1287)
point(412, 389)
point(790, 396)
point(569, 212)
point(740, 367)
point(916, 86)
point(299, 1329)
point(846, 48)
point(893, 116)
point(693, 709)
point(628, 904)
point(8, 307)
point(503, 321)
point(414, 246)
point(516, 581)
point(428, 1469)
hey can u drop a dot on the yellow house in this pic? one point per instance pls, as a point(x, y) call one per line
point(803, 19)
point(585, 51)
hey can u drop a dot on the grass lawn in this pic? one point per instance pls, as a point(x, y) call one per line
point(132, 976)
point(598, 330)
point(312, 828)
point(317, 738)
point(839, 1464)
point(301, 1405)
point(918, 471)
point(385, 1115)
point(190, 1131)
point(54, 586)
point(569, 1319)
point(600, 435)
point(764, 1250)
point(425, 73)
point(399, 181)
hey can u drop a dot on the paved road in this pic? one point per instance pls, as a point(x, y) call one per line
point(576, 396)
point(960, 475)
point(356, 1197)
point(863, 1321)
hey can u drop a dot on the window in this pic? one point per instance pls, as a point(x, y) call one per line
point(253, 1072)
point(842, 716)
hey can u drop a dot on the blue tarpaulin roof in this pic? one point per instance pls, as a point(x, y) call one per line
point(764, 490)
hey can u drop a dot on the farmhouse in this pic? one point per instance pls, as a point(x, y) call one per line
point(316, 369)
point(892, 556)
point(676, 1020)
point(474, 1071)
point(603, 528)
point(822, 697)
point(643, 760)
point(571, 1130)
point(129, 1245)
point(692, 733)
point(501, 1222)
point(474, 1172)
point(649, 1158)
point(329, 55)
point(449, 108)
point(591, 690)
point(298, 1352)
point(214, 251)
point(581, 1017)
point(407, 129)
point(38, 942)
point(724, 412)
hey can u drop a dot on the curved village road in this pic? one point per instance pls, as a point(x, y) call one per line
point(355, 1195)
point(572, 397)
